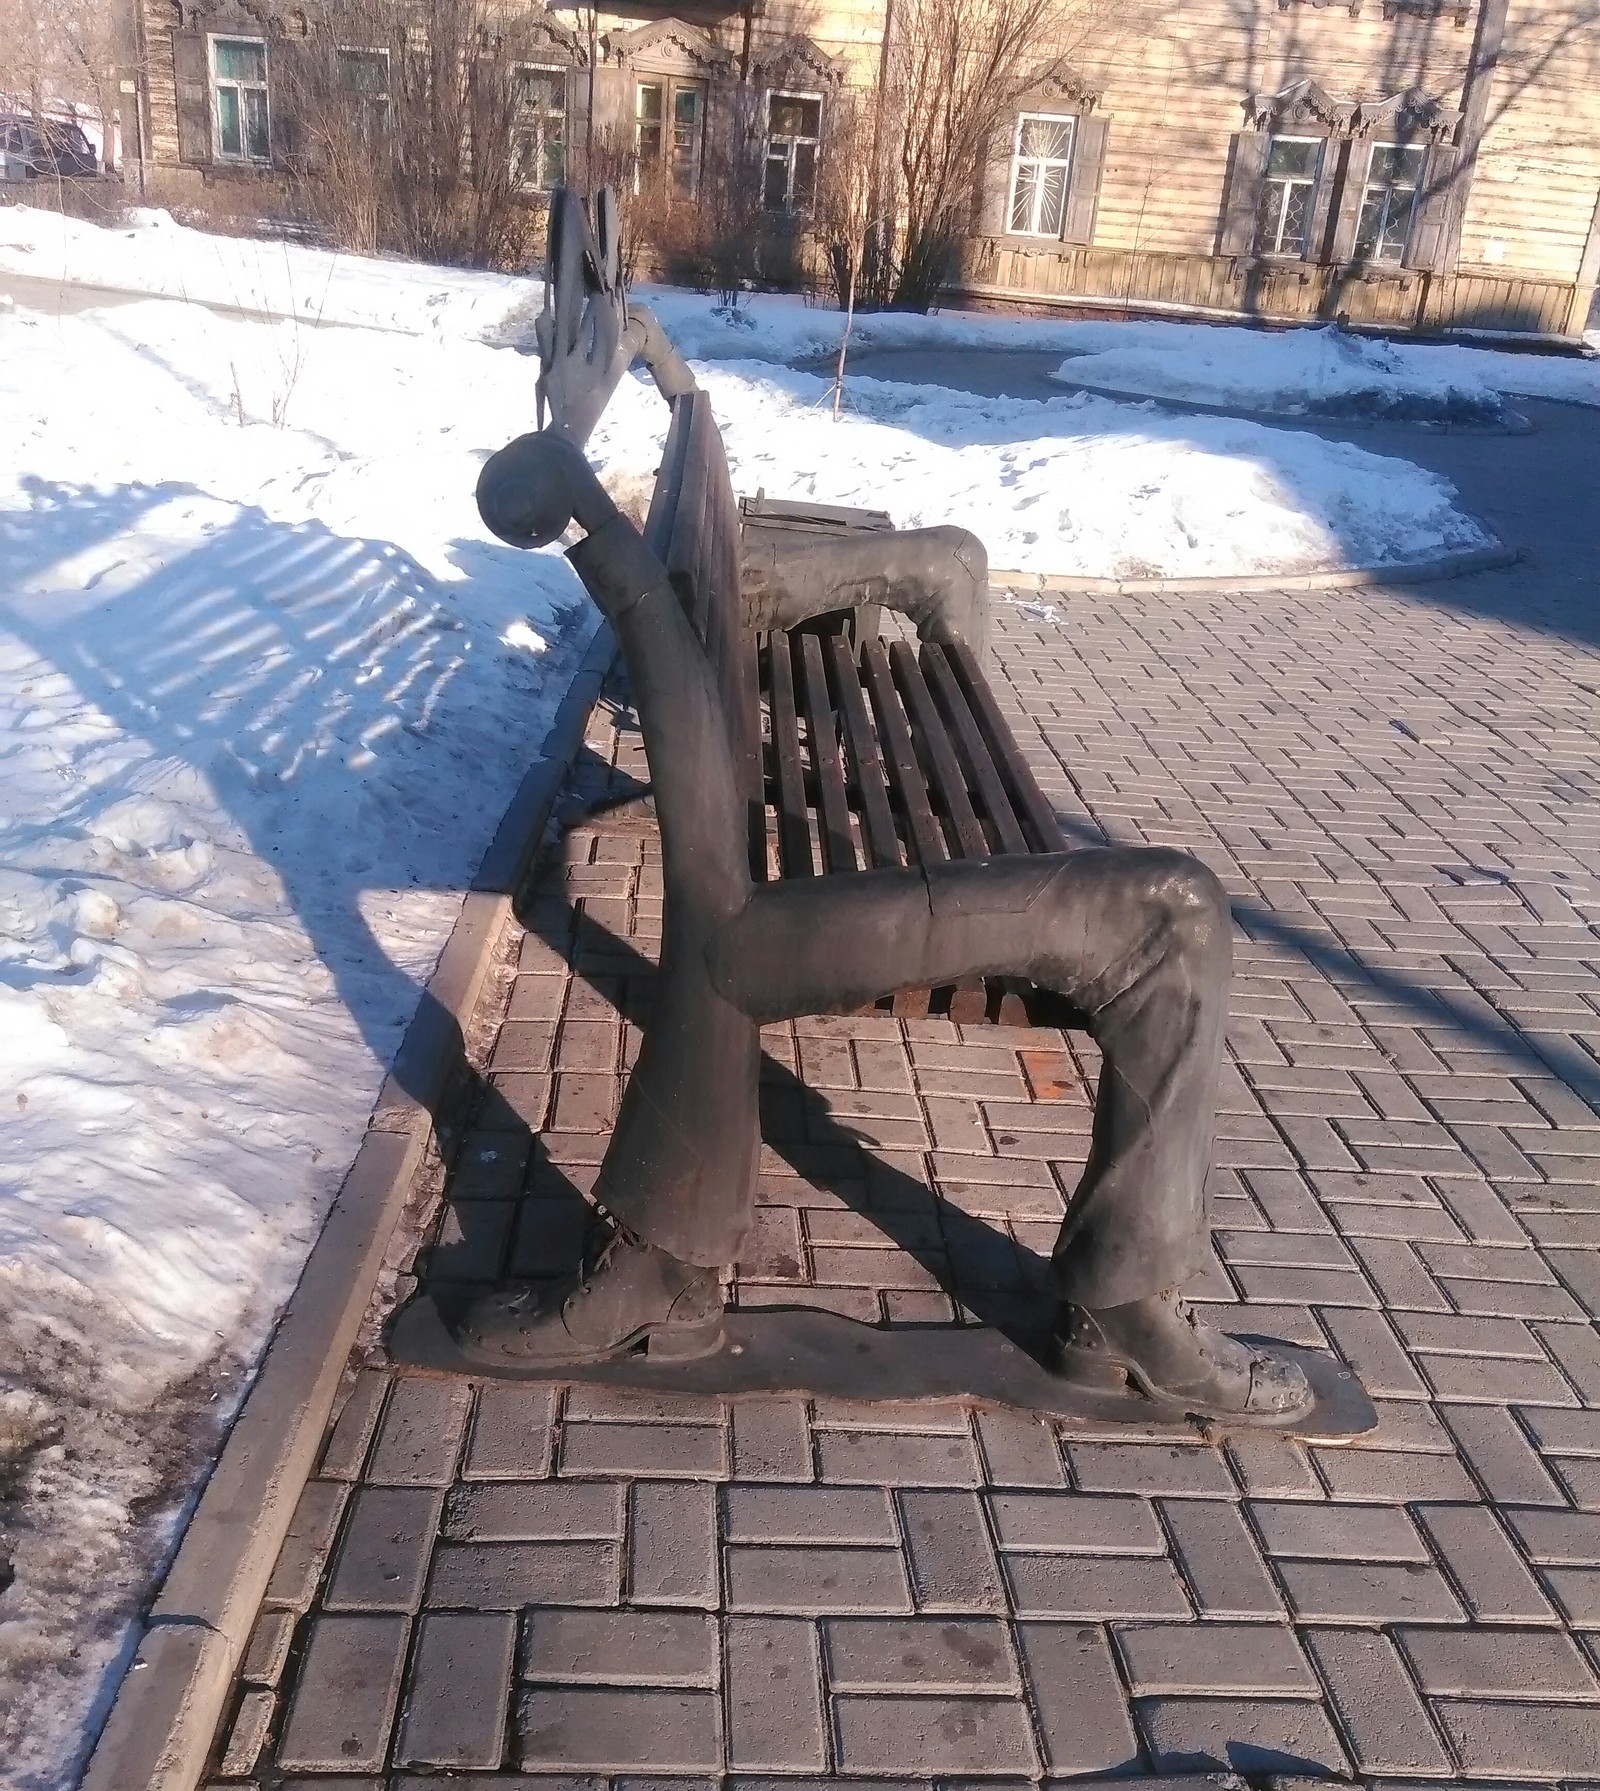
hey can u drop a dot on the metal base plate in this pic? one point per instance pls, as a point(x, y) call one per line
point(796, 1349)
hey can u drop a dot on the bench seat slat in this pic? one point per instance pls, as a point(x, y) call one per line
point(968, 741)
point(1030, 802)
point(946, 782)
point(794, 825)
point(838, 845)
point(878, 835)
point(923, 837)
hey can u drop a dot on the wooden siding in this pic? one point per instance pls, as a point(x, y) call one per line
point(996, 268)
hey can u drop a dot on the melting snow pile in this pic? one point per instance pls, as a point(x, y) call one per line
point(1075, 485)
point(265, 691)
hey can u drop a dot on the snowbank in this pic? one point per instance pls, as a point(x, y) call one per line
point(1206, 363)
point(153, 254)
point(265, 691)
point(1324, 371)
point(1076, 485)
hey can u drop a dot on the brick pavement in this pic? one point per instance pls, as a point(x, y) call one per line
point(580, 1587)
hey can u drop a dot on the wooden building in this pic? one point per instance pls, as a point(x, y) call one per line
point(1411, 164)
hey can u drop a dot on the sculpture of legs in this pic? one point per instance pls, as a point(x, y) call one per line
point(1138, 941)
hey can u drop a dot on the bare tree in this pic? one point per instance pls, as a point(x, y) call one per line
point(955, 71)
point(401, 119)
point(844, 220)
point(60, 50)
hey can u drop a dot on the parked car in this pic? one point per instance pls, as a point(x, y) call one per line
point(31, 148)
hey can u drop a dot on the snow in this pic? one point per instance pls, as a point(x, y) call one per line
point(1221, 364)
point(1075, 485)
point(265, 691)
point(153, 255)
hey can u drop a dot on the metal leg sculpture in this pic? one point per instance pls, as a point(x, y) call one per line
point(1138, 941)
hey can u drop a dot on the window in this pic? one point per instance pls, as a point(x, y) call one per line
point(364, 81)
point(794, 128)
point(539, 133)
point(1040, 167)
point(1394, 172)
point(668, 116)
point(1283, 214)
point(239, 98)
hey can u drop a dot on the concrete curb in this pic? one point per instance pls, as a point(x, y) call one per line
point(159, 1732)
point(1345, 578)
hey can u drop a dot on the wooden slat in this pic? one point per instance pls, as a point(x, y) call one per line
point(946, 782)
point(794, 829)
point(1029, 801)
point(923, 836)
point(865, 762)
point(969, 743)
point(838, 848)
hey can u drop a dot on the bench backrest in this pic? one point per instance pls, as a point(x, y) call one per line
point(694, 530)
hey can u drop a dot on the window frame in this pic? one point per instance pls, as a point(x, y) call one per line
point(362, 101)
point(1416, 188)
point(521, 123)
point(793, 142)
point(1277, 252)
point(215, 84)
point(1066, 164)
point(671, 85)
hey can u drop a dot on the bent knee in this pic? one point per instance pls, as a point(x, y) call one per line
point(1190, 900)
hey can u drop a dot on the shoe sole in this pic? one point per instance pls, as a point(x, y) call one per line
point(1112, 1373)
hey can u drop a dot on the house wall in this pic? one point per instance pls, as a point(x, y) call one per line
point(1521, 249)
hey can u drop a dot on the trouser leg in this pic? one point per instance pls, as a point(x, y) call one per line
point(1137, 940)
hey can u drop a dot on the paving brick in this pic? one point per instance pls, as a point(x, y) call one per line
point(1501, 1455)
point(1563, 1538)
point(1561, 1431)
point(1498, 1663)
point(1463, 1378)
point(1524, 1741)
point(771, 1440)
point(774, 1696)
point(460, 1689)
point(932, 1735)
point(1080, 1586)
point(305, 1547)
point(1337, 1532)
point(384, 1556)
point(1268, 1466)
point(1149, 1468)
point(344, 1700)
point(535, 1511)
point(1577, 1349)
point(1396, 1476)
point(1019, 1450)
point(1082, 1712)
point(421, 1433)
point(951, 1556)
point(672, 1556)
point(1219, 1559)
point(931, 1654)
point(505, 1576)
point(1076, 1523)
point(1260, 1735)
point(247, 1734)
point(1490, 1577)
point(1384, 1721)
point(837, 1514)
point(511, 1433)
point(268, 1648)
point(583, 1728)
point(692, 1450)
point(352, 1433)
point(816, 1581)
point(1367, 1592)
point(885, 1458)
point(1210, 1659)
point(587, 1647)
